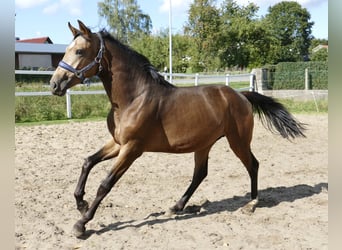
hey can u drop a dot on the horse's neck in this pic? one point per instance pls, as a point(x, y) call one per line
point(121, 79)
point(121, 86)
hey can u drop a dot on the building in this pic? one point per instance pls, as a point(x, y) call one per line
point(319, 47)
point(38, 53)
point(41, 40)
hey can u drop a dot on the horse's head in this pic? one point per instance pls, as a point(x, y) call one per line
point(81, 60)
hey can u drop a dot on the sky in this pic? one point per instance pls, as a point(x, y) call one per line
point(40, 18)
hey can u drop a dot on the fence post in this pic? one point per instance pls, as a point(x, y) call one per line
point(196, 79)
point(307, 81)
point(227, 79)
point(251, 82)
point(68, 103)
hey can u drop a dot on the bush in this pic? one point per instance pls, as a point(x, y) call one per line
point(291, 75)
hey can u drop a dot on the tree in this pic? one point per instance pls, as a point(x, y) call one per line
point(244, 40)
point(290, 30)
point(203, 28)
point(125, 19)
point(180, 53)
point(155, 48)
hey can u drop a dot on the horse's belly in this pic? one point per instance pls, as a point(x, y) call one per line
point(193, 139)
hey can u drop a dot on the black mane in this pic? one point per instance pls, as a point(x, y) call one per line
point(140, 60)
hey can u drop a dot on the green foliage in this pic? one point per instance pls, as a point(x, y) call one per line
point(292, 75)
point(244, 38)
point(125, 19)
point(293, 106)
point(290, 30)
point(317, 41)
point(321, 55)
point(39, 108)
point(155, 48)
point(28, 78)
point(47, 108)
point(32, 78)
point(217, 38)
point(203, 28)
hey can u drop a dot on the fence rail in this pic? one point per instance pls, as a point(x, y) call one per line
point(178, 79)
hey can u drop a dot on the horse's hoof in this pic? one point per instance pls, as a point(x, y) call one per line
point(172, 211)
point(83, 207)
point(249, 208)
point(78, 230)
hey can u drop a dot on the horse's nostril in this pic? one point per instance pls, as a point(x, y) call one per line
point(53, 86)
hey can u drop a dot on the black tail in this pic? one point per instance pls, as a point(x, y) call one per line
point(274, 115)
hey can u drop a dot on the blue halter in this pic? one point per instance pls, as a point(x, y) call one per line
point(80, 73)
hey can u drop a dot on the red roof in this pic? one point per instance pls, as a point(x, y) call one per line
point(36, 40)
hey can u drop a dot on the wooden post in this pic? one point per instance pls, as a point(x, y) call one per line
point(307, 80)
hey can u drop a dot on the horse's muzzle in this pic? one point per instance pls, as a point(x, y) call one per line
point(56, 89)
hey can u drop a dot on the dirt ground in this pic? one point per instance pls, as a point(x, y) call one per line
point(293, 190)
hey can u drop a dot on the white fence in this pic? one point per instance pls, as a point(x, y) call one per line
point(197, 79)
point(177, 79)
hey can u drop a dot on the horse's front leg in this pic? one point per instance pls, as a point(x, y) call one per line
point(108, 151)
point(128, 153)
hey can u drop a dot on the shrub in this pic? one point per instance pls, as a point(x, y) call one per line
point(291, 75)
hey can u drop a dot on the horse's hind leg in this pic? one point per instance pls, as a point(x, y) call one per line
point(200, 172)
point(239, 140)
point(252, 165)
point(108, 151)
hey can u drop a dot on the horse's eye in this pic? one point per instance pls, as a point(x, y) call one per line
point(79, 52)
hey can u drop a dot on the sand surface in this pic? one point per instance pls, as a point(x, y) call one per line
point(293, 192)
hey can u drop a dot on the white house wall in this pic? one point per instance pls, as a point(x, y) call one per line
point(34, 60)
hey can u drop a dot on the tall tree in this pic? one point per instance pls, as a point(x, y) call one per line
point(125, 19)
point(244, 40)
point(203, 28)
point(155, 48)
point(290, 28)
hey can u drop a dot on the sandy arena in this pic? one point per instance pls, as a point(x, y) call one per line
point(293, 192)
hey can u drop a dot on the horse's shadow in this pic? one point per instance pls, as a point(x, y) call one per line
point(269, 197)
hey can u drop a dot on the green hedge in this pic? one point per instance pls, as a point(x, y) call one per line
point(291, 75)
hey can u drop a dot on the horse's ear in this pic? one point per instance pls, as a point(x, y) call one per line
point(74, 31)
point(84, 29)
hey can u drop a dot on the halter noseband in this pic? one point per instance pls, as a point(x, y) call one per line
point(80, 73)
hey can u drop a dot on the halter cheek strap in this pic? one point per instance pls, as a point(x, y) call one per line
point(79, 73)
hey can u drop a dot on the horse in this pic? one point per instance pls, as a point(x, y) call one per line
point(149, 114)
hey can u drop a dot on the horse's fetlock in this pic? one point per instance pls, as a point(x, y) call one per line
point(88, 216)
point(79, 194)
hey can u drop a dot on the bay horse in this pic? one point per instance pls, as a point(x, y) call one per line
point(148, 114)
